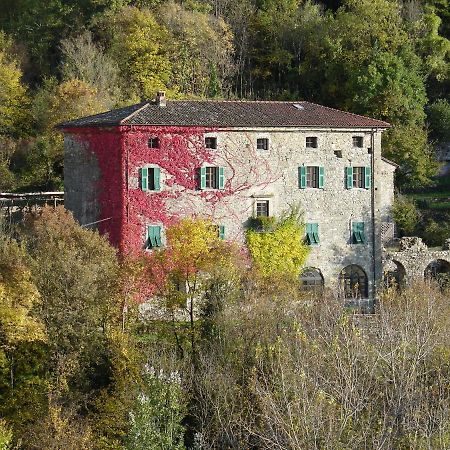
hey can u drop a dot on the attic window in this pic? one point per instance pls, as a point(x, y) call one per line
point(211, 142)
point(311, 142)
point(262, 144)
point(358, 141)
point(153, 142)
point(298, 106)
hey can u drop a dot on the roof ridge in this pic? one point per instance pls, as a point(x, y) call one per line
point(347, 112)
point(138, 110)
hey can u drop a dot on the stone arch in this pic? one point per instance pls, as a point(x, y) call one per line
point(311, 280)
point(394, 274)
point(438, 270)
point(353, 282)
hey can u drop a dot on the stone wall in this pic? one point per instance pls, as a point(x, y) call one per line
point(413, 257)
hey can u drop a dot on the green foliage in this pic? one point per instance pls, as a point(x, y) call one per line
point(280, 252)
point(6, 436)
point(13, 98)
point(158, 413)
point(138, 45)
point(405, 214)
point(436, 233)
point(438, 115)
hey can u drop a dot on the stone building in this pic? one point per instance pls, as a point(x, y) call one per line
point(132, 171)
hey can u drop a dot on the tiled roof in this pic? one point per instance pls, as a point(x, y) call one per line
point(219, 114)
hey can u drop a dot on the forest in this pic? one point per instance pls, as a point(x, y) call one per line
point(388, 59)
point(240, 359)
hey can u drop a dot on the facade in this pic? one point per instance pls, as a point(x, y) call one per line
point(133, 171)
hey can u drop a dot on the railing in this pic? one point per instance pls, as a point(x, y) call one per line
point(30, 199)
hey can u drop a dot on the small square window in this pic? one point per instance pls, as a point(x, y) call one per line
point(262, 144)
point(358, 141)
point(153, 142)
point(211, 142)
point(262, 208)
point(311, 142)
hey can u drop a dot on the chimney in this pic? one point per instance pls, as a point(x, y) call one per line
point(161, 99)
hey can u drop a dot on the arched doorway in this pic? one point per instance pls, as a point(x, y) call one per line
point(311, 280)
point(353, 282)
point(394, 274)
point(438, 270)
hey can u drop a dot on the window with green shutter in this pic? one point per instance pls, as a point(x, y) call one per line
point(312, 233)
point(153, 239)
point(311, 177)
point(221, 231)
point(212, 177)
point(150, 178)
point(358, 236)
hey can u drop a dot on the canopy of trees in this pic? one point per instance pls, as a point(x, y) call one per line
point(62, 59)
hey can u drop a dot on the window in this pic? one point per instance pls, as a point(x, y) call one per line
point(353, 282)
point(358, 177)
point(262, 208)
point(153, 142)
point(153, 238)
point(311, 279)
point(221, 231)
point(358, 141)
point(212, 178)
point(312, 233)
point(311, 177)
point(150, 179)
point(311, 142)
point(358, 236)
point(262, 144)
point(211, 142)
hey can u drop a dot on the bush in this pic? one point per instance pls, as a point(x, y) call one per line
point(406, 215)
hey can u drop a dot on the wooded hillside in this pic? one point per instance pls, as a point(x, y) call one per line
point(388, 59)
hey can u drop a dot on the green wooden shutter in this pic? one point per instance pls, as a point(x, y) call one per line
point(202, 177)
point(144, 178)
point(358, 233)
point(221, 231)
point(150, 237)
point(302, 177)
point(156, 178)
point(362, 235)
point(157, 233)
point(349, 177)
point(321, 177)
point(309, 233)
point(221, 171)
point(367, 177)
point(315, 230)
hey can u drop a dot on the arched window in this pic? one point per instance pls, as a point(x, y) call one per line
point(311, 279)
point(438, 270)
point(394, 274)
point(353, 282)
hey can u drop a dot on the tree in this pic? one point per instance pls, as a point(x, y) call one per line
point(200, 49)
point(86, 61)
point(279, 251)
point(138, 45)
point(13, 98)
point(405, 214)
point(77, 274)
point(438, 115)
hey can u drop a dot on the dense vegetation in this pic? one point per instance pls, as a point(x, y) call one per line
point(264, 366)
point(62, 59)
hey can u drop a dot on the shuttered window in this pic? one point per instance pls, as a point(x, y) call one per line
point(358, 177)
point(358, 235)
point(312, 233)
point(153, 239)
point(221, 231)
point(311, 177)
point(212, 177)
point(150, 178)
